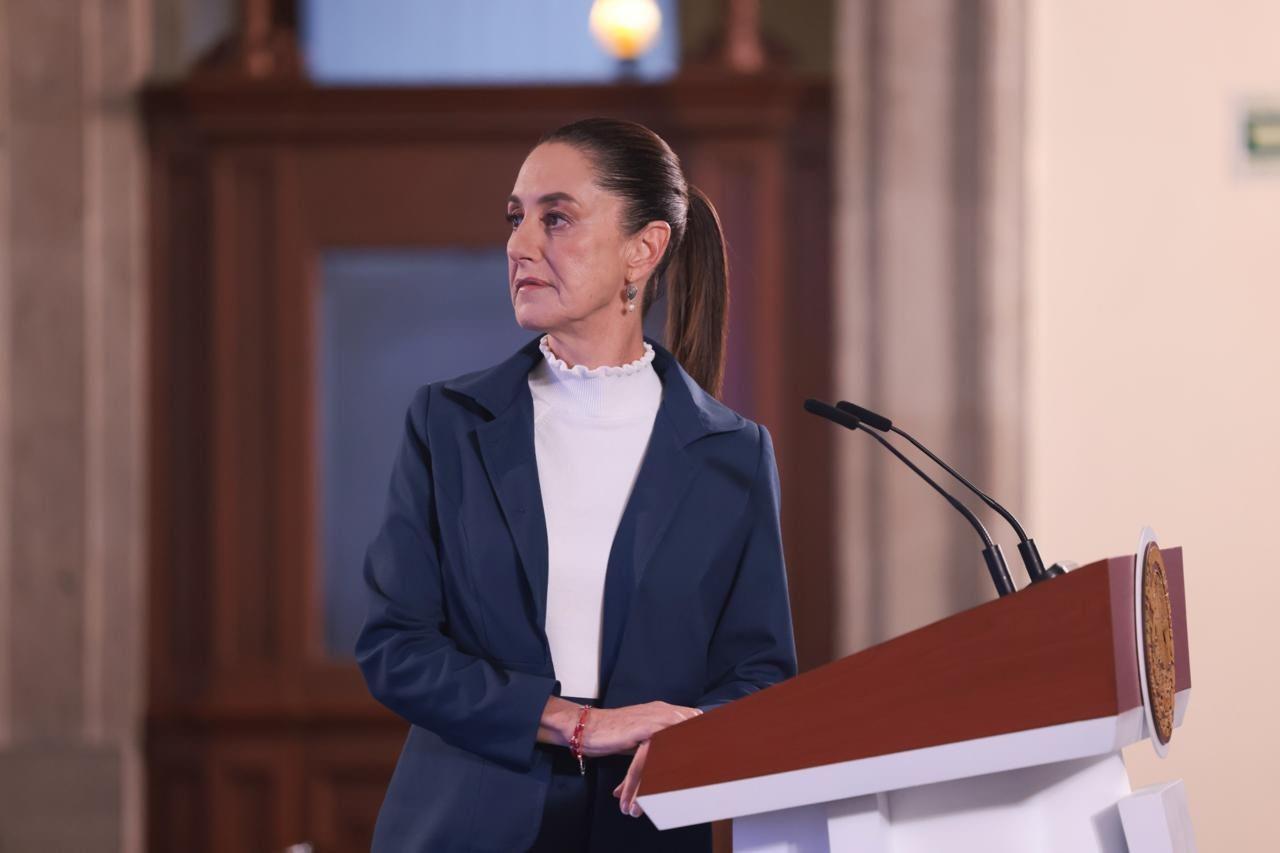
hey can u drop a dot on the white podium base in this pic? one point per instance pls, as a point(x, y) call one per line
point(1063, 807)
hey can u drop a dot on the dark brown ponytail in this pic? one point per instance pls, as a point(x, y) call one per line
point(631, 160)
point(698, 296)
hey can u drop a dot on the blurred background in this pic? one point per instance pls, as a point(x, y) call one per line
point(235, 237)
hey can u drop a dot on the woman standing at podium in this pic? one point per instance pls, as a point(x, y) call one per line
point(581, 544)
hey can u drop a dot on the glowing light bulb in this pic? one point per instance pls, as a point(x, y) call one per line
point(626, 28)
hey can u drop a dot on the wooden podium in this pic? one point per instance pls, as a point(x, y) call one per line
point(996, 729)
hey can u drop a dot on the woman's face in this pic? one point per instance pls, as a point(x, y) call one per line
point(567, 258)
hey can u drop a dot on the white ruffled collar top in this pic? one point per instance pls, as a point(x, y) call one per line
point(609, 391)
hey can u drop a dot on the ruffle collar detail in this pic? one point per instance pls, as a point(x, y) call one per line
point(581, 370)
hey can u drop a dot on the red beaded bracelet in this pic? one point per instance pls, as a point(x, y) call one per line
point(575, 740)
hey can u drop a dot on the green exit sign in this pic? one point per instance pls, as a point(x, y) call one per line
point(1262, 134)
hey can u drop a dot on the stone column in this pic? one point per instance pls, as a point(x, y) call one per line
point(928, 294)
point(72, 416)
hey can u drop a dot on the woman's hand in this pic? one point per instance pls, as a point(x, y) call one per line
point(609, 730)
point(630, 784)
point(613, 730)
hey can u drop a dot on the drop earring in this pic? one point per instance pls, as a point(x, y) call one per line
point(631, 296)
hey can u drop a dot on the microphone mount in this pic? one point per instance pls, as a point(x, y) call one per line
point(1026, 546)
point(991, 553)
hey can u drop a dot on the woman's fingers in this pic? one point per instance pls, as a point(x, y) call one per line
point(631, 783)
point(627, 790)
point(666, 715)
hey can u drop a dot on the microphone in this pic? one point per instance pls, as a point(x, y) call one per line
point(991, 553)
point(1026, 546)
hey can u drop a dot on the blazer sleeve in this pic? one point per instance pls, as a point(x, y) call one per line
point(753, 646)
point(409, 662)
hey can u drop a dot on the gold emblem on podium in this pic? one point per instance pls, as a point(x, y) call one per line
point(1155, 641)
point(1157, 632)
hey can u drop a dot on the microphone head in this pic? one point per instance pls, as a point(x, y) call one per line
point(831, 413)
point(866, 416)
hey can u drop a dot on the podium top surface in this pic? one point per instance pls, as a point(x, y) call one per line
point(1059, 652)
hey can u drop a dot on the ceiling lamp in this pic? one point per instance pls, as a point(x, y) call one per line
point(626, 28)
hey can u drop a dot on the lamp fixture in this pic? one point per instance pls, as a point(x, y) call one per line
point(625, 28)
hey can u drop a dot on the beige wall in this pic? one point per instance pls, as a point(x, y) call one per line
point(1154, 266)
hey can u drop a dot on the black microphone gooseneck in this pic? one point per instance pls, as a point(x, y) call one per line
point(1026, 546)
point(991, 553)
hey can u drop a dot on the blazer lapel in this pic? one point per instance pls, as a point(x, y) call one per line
point(666, 472)
point(507, 449)
point(507, 452)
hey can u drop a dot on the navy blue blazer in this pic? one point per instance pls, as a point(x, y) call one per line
point(696, 607)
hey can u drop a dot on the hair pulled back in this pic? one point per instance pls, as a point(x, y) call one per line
point(632, 161)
